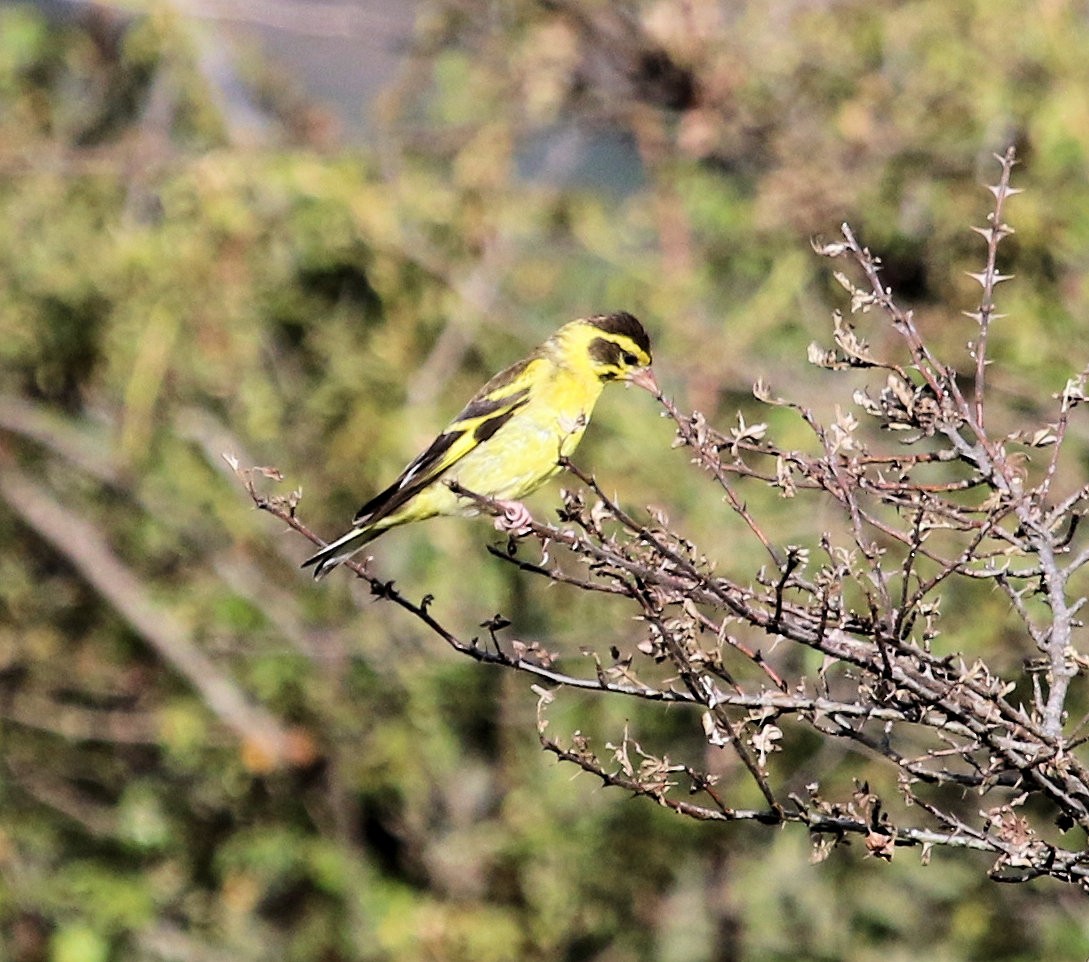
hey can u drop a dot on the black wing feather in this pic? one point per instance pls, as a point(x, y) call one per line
point(411, 481)
point(429, 465)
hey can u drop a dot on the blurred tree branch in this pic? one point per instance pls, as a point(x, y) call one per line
point(266, 742)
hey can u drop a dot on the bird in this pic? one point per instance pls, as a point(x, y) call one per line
point(511, 436)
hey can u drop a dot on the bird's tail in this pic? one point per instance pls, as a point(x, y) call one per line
point(340, 550)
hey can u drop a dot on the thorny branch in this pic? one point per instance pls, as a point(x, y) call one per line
point(949, 509)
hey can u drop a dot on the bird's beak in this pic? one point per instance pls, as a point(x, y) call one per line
point(644, 378)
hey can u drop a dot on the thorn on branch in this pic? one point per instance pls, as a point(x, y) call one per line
point(495, 624)
point(382, 589)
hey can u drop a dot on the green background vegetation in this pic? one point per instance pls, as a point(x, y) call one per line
point(168, 293)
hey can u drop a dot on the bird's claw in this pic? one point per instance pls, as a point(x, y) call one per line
point(515, 518)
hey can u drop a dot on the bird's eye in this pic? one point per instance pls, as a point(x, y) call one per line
point(631, 360)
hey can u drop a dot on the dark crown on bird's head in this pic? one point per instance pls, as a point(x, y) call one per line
point(617, 345)
point(622, 323)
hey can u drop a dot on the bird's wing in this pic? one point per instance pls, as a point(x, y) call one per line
point(491, 408)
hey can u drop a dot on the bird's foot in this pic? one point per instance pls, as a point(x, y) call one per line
point(515, 518)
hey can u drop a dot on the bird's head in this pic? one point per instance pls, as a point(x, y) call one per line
point(614, 347)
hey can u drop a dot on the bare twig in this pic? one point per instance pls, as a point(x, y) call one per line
point(949, 504)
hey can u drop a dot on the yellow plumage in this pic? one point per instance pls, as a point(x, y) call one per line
point(508, 440)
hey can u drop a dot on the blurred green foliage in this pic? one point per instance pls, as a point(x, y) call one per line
point(167, 295)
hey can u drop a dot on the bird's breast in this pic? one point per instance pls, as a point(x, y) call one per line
point(526, 451)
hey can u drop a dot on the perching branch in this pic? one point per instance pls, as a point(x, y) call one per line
point(947, 510)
